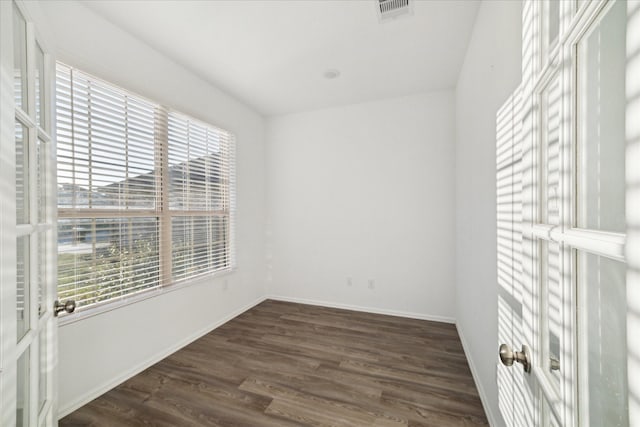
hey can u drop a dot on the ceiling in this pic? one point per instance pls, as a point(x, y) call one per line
point(272, 54)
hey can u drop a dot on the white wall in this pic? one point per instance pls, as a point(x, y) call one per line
point(364, 191)
point(97, 353)
point(491, 71)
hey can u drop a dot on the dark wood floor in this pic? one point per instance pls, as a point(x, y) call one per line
point(283, 364)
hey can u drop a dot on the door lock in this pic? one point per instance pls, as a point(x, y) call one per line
point(508, 356)
point(69, 306)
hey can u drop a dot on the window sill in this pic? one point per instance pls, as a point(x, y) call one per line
point(67, 319)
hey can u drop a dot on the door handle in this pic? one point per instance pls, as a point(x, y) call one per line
point(508, 356)
point(69, 306)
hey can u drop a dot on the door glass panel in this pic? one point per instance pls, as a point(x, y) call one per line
point(42, 271)
point(39, 86)
point(551, 310)
point(19, 58)
point(41, 172)
point(22, 390)
point(603, 286)
point(42, 363)
point(22, 279)
point(553, 22)
point(601, 136)
point(22, 175)
point(550, 133)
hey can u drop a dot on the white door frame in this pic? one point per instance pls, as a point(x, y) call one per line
point(542, 67)
point(40, 339)
point(633, 209)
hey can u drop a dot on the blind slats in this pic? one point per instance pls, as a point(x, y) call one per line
point(112, 148)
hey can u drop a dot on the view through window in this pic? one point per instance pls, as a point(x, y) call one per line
point(145, 194)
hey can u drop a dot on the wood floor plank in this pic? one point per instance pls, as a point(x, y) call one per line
point(282, 364)
point(311, 412)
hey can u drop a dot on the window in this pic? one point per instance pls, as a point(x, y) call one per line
point(145, 194)
point(198, 167)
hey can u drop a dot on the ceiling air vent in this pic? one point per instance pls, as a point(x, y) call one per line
point(391, 9)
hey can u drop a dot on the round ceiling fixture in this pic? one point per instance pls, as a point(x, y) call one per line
point(331, 74)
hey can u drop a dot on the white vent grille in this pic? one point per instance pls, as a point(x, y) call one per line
point(390, 9)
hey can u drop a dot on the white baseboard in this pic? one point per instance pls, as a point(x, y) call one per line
point(474, 372)
point(407, 314)
point(100, 390)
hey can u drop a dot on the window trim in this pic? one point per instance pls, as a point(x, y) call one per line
point(201, 280)
point(162, 212)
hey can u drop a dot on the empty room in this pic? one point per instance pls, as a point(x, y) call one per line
point(278, 213)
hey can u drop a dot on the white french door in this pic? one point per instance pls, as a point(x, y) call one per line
point(567, 205)
point(27, 232)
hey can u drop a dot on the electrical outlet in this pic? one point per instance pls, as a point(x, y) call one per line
point(372, 283)
point(349, 281)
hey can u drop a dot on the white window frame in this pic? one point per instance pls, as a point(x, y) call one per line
point(163, 212)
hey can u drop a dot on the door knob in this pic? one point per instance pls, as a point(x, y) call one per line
point(69, 306)
point(508, 356)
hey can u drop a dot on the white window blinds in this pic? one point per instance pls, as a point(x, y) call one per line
point(145, 196)
point(200, 167)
